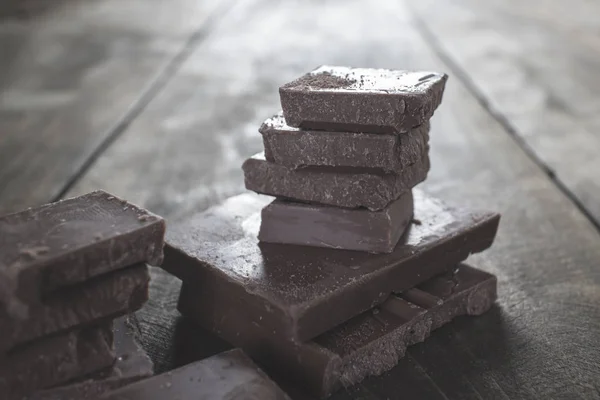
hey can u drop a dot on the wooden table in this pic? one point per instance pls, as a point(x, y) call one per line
point(159, 102)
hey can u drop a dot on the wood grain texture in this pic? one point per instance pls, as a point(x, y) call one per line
point(70, 77)
point(185, 150)
point(535, 64)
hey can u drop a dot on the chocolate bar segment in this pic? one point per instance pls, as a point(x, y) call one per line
point(300, 292)
point(368, 344)
point(67, 242)
point(132, 364)
point(361, 99)
point(336, 228)
point(296, 148)
point(341, 187)
point(54, 360)
point(107, 296)
point(225, 376)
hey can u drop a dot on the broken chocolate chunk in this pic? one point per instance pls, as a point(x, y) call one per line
point(336, 228)
point(299, 292)
point(341, 187)
point(296, 148)
point(226, 376)
point(361, 99)
point(70, 241)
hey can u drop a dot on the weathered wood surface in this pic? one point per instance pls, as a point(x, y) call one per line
point(184, 152)
point(535, 64)
point(71, 78)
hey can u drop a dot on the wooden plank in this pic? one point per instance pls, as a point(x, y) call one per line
point(185, 151)
point(535, 63)
point(71, 77)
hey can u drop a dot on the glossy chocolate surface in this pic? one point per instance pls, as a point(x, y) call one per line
point(226, 376)
point(296, 148)
point(341, 187)
point(299, 292)
point(67, 242)
point(361, 99)
point(54, 360)
point(368, 344)
point(107, 296)
point(336, 228)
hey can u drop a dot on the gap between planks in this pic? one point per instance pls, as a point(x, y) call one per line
point(153, 89)
point(510, 129)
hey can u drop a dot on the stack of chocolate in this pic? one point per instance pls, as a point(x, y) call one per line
point(302, 301)
point(343, 156)
point(67, 270)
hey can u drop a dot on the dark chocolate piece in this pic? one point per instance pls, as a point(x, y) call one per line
point(226, 376)
point(361, 99)
point(70, 241)
point(368, 344)
point(54, 360)
point(341, 187)
point(297, 148)
point(299, 292)
point(337, 228)
point(107, 296)
point(132, 364)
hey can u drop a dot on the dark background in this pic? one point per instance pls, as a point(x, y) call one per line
point(159, 102)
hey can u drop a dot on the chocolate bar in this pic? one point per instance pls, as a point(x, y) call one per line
point(54, 360)
point(228, 375)
point(341, 187)
point(361, 99)
point(299, 292)
point(296, 148)
point(336, 228)
point(70, 241)
point(107, 296)
point(368, 344)
point(132, 364)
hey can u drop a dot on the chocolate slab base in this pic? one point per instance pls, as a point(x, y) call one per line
point(361, 99)
point(47, 248)
point(340, 187)
point(369, 344)
point(299, 292)
point(336, 228)
point(225, 376)
point(104, 297)
point(54, 360)
point(297, 148)
point(132, 364)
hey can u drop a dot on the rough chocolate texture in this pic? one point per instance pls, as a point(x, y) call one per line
point(54, 360)
point(300, 292)
point(336, 228)
point(368, 344)
point(70, 241)
point(105, 297)
point(296, 148)
point(361, 99)
point(132, 364)
point(226, 376)
point(351, 188)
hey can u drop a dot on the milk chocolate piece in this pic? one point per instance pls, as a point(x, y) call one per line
point(67, 242)
point(226, 376)
point(368, 344)
point(132, 364)
point(361, 99)
point(337, 228)
point(296, 148)
point(341, 187)
point(107, 296)
point(299, 292)
point(54, 360)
